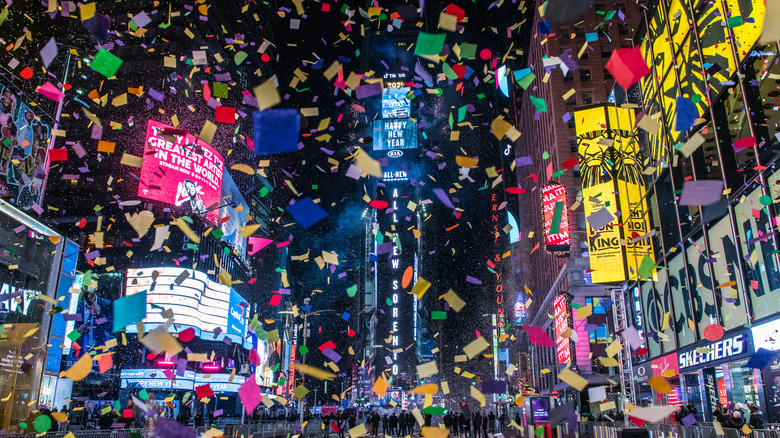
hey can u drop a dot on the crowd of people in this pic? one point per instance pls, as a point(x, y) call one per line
point(733, 415)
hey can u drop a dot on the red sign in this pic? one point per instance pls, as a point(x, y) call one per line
point(561, 325)
point(186, 172)
point(554, 197)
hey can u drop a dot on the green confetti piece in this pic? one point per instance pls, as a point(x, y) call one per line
point(438, 314)
point(389, 302)
point(429, 44)
point(765, 200)
point(433, 410)
point(545, 155)
point(220, 90)
point(143, 394)
point(42, 424)
point(239, 57)
point(106, 63)
point(23, 425)
point(74, 335)
point(303, 350)
point(217, 233)
point(555, 225)
point(352, 290)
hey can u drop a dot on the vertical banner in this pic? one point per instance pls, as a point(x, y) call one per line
point(556, 218)
point(560, 307)
point(612, 180)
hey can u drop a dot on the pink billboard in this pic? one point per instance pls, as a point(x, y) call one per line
point(181, 170)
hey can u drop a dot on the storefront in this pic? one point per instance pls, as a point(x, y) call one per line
point(767, 336)
point(713, 373)
point(31, 264)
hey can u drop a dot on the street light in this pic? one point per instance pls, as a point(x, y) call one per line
point(305, 337)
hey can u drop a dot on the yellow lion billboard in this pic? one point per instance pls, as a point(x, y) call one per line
point(612, 178)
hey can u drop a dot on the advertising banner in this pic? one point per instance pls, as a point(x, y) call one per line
point(612, 180)
point(180, 170)
point(195, 300)
point(395, 104)
point(23, 151)
point(561, 325)
point(554, 208)
point(732, 346)
point(394, 134)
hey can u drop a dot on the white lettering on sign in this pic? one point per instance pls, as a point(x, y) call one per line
point(723, 349)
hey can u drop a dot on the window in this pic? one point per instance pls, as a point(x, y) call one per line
point(582, 224)
point(576, 170)
point(587, 97)
point(569, 76)
point(584, 54)
point(584, 74)
point(572, 100)
point(563, 30)
point(571, 125)
point(607, 75)
point(623, 28)
point(573, 144)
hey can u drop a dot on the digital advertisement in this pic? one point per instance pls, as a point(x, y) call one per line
point(394, 134)
point(554, 208)
point(180, 170)
point(196, 301)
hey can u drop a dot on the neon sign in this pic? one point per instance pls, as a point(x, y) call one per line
point(561, 325)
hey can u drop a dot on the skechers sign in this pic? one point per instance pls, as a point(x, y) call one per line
point(730, 347)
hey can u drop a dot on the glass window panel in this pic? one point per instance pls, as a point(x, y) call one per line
point(703, 302)
point(651, 310)
point(725, 268)
point(763, 277)
point(683, 312)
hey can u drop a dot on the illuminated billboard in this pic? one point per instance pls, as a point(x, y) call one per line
point(612, 179)
point(24, 145)
point(181, 170)
point(680, 73)
point(519, 311)
point(156, 379)
point(554, 208)
point(197, 302)
point(394, 134)
point(395, 104)
point(563, 346)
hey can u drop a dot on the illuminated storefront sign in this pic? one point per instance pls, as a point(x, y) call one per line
point(554, 208)
point(612, 179)
point(561, 325)
point(181, 170)
point(195, 300)
point(394, 134)
point(724, 350)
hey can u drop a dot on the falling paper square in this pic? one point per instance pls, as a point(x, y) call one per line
point(702, 192)
point(276, 131)
point(627, 66)
point(306, 212)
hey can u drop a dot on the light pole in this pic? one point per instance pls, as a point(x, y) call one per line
point(301, 402)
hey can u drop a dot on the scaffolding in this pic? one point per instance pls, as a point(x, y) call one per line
point(620, 319)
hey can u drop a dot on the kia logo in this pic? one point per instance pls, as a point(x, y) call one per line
point(394, 154)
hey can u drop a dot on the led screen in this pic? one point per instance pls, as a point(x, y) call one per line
point(197, 302)
point(394, 134)
point(181, 170)
point(395, 104)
